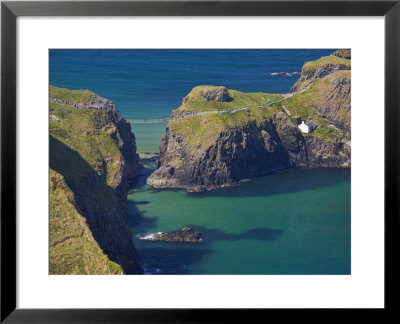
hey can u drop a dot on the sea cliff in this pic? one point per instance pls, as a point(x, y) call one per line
point(92, 160)
point(219, 136)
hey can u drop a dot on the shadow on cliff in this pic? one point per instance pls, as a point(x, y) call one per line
point(139, 183)
point(98, 203)
point(281, 182)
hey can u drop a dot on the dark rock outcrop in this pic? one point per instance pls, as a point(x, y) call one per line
point(243, 152)
point(96, 102)
point(319, 69)
point(345, 53)
point(218, 94)
point(335, 101)
point(186, 234)
point(215, 94)
point(109, 223)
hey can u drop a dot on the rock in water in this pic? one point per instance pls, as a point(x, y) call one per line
point(186, 234)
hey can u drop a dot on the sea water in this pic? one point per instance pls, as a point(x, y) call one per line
point(295, 221)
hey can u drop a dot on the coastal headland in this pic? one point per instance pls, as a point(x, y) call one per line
point(219, 136)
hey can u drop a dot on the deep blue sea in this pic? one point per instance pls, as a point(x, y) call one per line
point(151, 83)
point(291, 222)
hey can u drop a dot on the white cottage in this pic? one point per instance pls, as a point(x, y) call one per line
point(307, 127)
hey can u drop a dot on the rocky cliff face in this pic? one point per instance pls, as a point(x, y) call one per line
point(94, 152)
point(335, 100)
point(243, 152)
point(345, 53)
point(319, 69)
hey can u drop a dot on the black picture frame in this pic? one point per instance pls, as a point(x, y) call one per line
point(10, 10)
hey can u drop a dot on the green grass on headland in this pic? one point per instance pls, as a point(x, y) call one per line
point(302, 104)
point(202, 129)
point(240, 99)
point(327, 60)
point(72, 96)
point(80, 130)
point(314, 70)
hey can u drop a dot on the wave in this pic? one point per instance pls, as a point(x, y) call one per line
point(149, 271)
point(147, 236)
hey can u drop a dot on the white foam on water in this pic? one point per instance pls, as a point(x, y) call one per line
point(147, 236)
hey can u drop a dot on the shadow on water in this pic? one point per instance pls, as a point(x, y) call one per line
point(136, 218)
point(142, 202)
point(179, 258)
point(163, 257)
point(280, 182)
point(210, 235)
point(139, 184)
point(183, 258)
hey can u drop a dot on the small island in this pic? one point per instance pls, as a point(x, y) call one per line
point(220, 136)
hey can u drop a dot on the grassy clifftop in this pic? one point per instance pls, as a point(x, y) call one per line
point(210, 117)
point(214, 98)
point(327, 60)
point(92, 156)
point(81, 130)
point(322, 93)
point(318, 69)
point(77, 96)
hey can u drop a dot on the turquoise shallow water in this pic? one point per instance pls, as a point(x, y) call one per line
point(295, 221)
point(148, 136)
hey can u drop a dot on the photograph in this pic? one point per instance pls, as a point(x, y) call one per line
point(200, 161)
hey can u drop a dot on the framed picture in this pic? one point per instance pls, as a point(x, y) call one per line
point(205, 143)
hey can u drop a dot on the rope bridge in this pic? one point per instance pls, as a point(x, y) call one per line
point(148, 121)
